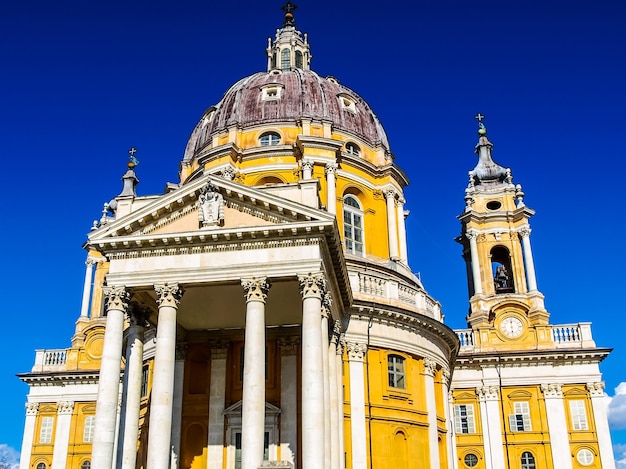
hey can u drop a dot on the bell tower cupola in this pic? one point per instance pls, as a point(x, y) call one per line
point(290, 49)
point(496, 241)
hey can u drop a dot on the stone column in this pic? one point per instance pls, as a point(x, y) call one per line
point(528, 259)
point(599, 406)
point(312, 287)
point(339, 390)
point(392, 230)
point(356, 355)
point(217, 402)
point(29, 433)
point(177, 406)
point(334, 406)
point(288, 399)
point(161, 400)
point(492, 426)
point(557, 425)
point(84, 307)
point(62, 434)
point(307, 169)
point(326, 305)
point(109, 381)
point(430, 368)
point(331, 200)
point(129, 427)
point(404, 256)
point(446, 395)
point(253, 401)
point(472, 235)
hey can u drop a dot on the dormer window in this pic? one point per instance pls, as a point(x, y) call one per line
point(269, 139)
point(271, 92)
point(353, 149)
point(347, 103)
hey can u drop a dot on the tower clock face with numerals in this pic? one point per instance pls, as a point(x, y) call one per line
point(511, 326)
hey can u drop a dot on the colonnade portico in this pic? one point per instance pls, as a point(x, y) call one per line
point(321, 408)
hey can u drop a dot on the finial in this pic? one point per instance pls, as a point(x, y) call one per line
point(482, 130)
point(289, 8)
point(132, 161)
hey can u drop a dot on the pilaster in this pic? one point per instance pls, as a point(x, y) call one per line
point(356, 354)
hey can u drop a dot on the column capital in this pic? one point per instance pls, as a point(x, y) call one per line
point(445, 373)
point(400, 201)
point(487, 393)
point(524, 231)
point(471, 234)
point(32, 408)
point(117, 297)
point(65, 407)
point(168, 294)
point(331, 167)
point(390, 192)
point(552, 390)
point(596, 389)
point(336, 334)
point(255, 289)
point(312, 285)
point(430, 366)
point(356, 350)
point(288, 345)
point(307, 165)
point(327, 302)
point(228, 173)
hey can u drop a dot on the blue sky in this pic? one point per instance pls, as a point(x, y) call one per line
point(81, 82)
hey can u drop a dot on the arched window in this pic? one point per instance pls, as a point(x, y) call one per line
point(395, 371)
point(353, 225)
point(528, 460)
point(269, 139)
point(41, 465)
point(353, 149)
point(86, 465)
point(298, 59)
point(501, 270)
point(285, 59)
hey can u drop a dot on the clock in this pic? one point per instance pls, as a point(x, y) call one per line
point(511, 326)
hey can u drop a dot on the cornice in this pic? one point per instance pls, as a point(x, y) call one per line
point(61, 378)
point(521, 213)
point(506, 358)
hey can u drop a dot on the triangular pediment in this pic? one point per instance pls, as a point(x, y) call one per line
point(185, 215)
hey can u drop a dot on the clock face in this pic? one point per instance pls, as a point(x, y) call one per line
point(511, 326)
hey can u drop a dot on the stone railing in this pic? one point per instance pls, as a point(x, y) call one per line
point(466, 338)
point(50, 360)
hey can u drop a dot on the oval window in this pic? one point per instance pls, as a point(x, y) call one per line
point(494, 205)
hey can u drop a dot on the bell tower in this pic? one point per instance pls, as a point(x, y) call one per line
point(496, 247)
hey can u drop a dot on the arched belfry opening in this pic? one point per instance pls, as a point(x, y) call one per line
point(501, 270)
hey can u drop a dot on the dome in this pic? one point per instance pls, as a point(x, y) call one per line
point(287, 96)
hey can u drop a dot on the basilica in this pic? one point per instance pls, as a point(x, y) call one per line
point(261, 312)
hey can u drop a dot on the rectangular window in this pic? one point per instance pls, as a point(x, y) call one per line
point(395, 371)
point(145, 374)
point(464, 418)
point(90, 420)
point(45, 434)
point(520, 420)
point(578, 414)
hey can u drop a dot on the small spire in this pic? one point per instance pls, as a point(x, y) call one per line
point(132, 161)
point(487, 170)
point(289, 20)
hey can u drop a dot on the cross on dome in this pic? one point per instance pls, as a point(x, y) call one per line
point(289, 8)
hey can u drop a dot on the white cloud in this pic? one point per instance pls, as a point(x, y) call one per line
point(620, 456)
point(617, 408)
point(9, 457)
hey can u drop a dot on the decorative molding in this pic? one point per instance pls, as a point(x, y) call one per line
point(430, 366)
point(168, 294)
point(219, 350)
point(356, 351)
point(524, 231)
point(65, 407)
point(487, 393)
point(331, 168)
point(390, 192)
point(32, 408)
point(471, 234)
point(228, 173)
point(312, 285)
point(552, 390)
point(117, 297)
point(377, 194)
point(596, 389)
point(307, 165)
point(327, 302)
point(255, 289)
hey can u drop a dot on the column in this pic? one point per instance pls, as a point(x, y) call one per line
point(217, 402)
point(177, 406)
point(430, 368)
point(599, 406)
point(404, 256)
point(446, 395)
point(492, 426)
point(307, 169)
point(472, 235)
point(356, 354)
point(557, 425)
point(129, 426)
point(161, 401)
point(326, 304)
point(340, 414)
point(29, 433)
point(288, 399)
point(253, 405)
point(392, 230)
point(84, 308)
point(312, 287)
point(528, 259)
point(109, 382)
point(334, 405)
point(62, 434)
point(331, 200)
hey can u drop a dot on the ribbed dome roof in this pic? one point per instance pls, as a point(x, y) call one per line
point(301, 94)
